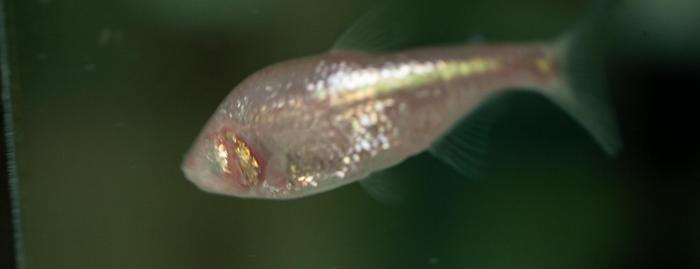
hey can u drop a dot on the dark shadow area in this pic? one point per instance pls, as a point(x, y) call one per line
point(658, 101)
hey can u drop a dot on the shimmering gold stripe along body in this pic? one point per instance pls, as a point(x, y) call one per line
point(421, 74)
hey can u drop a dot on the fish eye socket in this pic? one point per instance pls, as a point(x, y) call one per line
point(230, 156)
point(218, 158)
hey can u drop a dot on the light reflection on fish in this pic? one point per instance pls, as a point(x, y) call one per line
point(309, 125)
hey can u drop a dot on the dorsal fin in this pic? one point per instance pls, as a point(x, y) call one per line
point(380, 29)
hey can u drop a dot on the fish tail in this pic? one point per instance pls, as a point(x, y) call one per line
point(581, 91)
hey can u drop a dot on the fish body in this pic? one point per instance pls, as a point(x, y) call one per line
point(308, 125)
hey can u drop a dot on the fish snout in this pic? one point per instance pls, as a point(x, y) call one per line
point(222, 163)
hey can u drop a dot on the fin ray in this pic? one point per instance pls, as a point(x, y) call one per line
point(377, 30)
point(384, 189)
point(582, 91)
point(467, 145)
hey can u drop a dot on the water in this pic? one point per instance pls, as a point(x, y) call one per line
point(107, 97)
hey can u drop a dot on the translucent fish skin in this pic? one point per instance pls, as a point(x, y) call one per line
point(309, 125)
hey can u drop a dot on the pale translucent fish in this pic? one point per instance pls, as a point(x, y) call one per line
point(309, 125)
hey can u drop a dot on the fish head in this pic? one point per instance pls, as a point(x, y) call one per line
point(244, 150)
point(225, 160)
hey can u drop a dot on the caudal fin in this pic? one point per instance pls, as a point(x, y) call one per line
point(582, 91)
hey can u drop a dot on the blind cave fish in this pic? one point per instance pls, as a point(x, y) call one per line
point(309, 125)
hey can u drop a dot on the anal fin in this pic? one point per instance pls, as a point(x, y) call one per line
point(467, 145)
point(387, 189)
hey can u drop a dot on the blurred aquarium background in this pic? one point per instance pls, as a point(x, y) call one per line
point(108, 95)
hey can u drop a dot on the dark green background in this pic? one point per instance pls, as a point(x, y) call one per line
point(110, 94)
